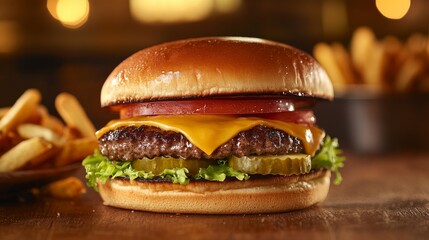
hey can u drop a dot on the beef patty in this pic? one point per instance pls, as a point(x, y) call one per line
point(131, 143)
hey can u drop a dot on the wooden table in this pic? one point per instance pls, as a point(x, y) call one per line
point(384, 197)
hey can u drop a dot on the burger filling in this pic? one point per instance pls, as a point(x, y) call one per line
point(167, 148)
point(131, 143)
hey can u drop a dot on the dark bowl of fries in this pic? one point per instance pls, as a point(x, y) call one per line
point(382, 92)
point(37, 147)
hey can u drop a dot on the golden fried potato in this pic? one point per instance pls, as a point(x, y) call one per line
point(31, 151)
point(417, 44)
point(29, 130)
point(325, 55)
point(374, 71)
point(74, 115)
point(23, 108)
point(53, 123)
point(76, 150)
point(67, 188)
point(3, 111)
point(361, 47)
point(408, 74)
point(343, 60)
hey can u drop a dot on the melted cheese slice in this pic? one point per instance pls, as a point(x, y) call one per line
point(208, 132)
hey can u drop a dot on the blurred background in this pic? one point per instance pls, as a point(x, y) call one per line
point(73, 45)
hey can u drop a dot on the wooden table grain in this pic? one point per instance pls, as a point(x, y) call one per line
point(382, 197)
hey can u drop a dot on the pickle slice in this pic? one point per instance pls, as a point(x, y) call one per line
point(158, 164)
point(276, 165)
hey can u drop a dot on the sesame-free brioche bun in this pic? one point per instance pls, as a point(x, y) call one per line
point(215, 67)
point(259, 195)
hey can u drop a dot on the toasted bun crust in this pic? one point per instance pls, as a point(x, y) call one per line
point(215, 67)
point(266, 195)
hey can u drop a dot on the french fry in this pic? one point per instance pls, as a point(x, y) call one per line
point(29, 130)
point(75, 150)
point(344, 63)
point(408, 74)
point(33, 151)
point(53, 123)
point(67, 188)
point(361, 47)
point(373, 71)
point(23, 108)
point(73, 114)
point(71, 134)
point(42, 111)
point(417, 44)
point(396, 55)
point(324, 54)
point(9, 141)
point(37, 114)
point(3, 111)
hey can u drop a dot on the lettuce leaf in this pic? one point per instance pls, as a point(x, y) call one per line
point(330, 157)
point(176, 175)
point(220, 172)
point(100, 167)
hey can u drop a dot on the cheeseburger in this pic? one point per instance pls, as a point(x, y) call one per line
point(220, 125)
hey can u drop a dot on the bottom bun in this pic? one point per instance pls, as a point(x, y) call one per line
point(258, 195)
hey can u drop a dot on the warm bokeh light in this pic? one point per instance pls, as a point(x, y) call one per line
point(393, 9)
point(71, 13)
point(170, 11)
point(52, 8)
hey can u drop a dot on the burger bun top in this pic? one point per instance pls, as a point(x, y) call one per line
point(215, 67)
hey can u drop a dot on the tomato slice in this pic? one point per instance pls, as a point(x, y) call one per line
point(299, 116)
point(277, 109)
point(217, 106)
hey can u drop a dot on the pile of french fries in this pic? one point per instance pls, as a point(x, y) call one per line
point(387, 65)
point(31, 138)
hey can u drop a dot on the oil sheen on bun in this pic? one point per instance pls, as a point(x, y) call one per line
point(215, 67)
